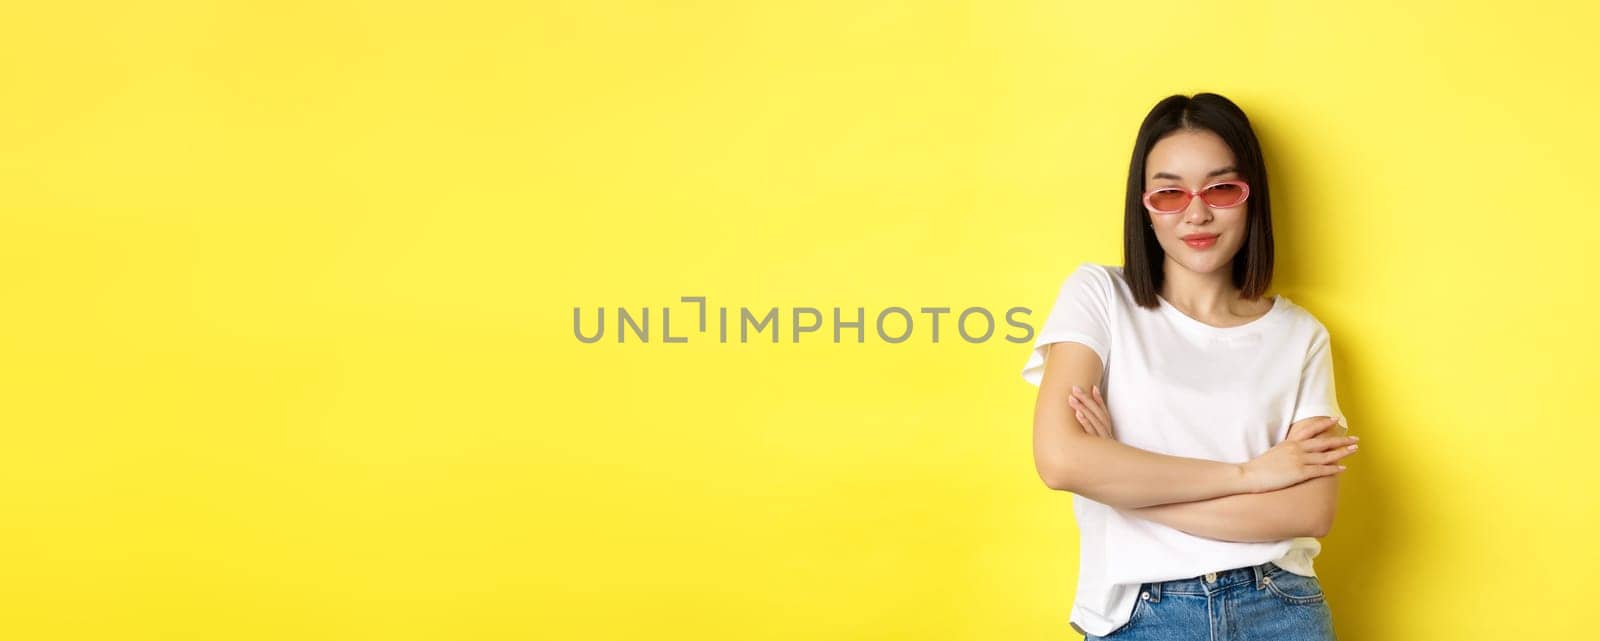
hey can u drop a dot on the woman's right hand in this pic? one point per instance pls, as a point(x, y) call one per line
point(1302, 455)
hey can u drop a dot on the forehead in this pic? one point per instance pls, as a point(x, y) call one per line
point(1188, 153)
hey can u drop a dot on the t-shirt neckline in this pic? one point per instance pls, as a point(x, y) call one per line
point(1278, 304)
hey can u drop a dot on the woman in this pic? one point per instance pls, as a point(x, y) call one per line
point(1199, 506)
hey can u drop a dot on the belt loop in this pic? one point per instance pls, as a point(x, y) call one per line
point(1259, 571)
point(1155, 592)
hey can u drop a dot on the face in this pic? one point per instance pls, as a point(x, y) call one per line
point(1192, 160)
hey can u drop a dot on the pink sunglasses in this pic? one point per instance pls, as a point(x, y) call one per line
point(1172, 199)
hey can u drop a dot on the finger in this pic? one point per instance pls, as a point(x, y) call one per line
point(1100, 427)
point(1104, 427)
point(1077, 408)
point(1315, 428)
point(1088, 425)
point(1330, 470)
point(1100, 402)
point(1098, 409)
point(1334, 455)
point(1081, 404)
point(1327, 443)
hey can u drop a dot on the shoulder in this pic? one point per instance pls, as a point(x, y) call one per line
point(1303, 322)
point(1091, 281)
point(1104, 276)
point(1099, 269)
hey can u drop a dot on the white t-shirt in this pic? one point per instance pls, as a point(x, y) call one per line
point(1177, 386)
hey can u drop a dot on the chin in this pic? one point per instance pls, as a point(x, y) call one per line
point(1213, 260)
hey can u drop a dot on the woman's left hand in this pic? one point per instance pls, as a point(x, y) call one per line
point(1092, 412)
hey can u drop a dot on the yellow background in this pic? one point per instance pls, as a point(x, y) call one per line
point(288, 296)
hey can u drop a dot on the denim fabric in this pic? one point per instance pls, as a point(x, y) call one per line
point(1252, 603)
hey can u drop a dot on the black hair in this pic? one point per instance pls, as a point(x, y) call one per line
point(1142, 255)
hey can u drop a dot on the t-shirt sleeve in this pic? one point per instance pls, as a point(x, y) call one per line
point(1317, 395)
point(1081, 314)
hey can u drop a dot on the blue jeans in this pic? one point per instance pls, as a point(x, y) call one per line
point(1251, 603)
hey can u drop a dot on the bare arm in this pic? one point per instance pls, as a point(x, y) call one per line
point(1067, 457)
point(1303, 509)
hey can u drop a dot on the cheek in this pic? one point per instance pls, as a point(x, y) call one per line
point(1239, 226)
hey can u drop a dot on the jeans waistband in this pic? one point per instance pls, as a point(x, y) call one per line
point(1213, 582)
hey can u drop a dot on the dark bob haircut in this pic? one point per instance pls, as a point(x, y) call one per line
point(1142, 255)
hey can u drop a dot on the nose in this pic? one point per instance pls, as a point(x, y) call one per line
point(1197, 212)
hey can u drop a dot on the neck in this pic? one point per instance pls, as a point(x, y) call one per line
point(1207, 295)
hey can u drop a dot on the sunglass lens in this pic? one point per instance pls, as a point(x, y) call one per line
point(1223, 195)
point(1168, 199)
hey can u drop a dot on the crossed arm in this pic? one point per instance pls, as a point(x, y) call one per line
point(1205, 498)
point(1303, 509)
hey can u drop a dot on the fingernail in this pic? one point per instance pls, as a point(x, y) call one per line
point(1076, 389)
point(1355, 438)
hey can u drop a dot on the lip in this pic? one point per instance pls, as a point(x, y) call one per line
point(1200, 241)
point(1199, 237)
